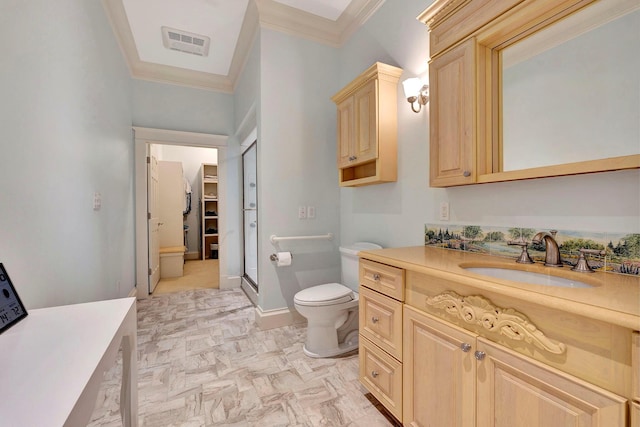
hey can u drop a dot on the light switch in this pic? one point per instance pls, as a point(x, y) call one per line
point(311, 212)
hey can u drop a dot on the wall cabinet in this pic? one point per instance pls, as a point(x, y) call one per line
point(368, 127)
point(209, 211)
point(452, 121)
point(467, 70)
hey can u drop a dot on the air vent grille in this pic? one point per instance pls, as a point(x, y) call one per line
point(185, 41)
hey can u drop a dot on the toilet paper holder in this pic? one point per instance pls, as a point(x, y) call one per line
point(274, 257)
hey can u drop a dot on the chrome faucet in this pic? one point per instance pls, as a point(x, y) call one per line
point(552, 258)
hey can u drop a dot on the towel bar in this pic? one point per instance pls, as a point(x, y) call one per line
point(275, 239)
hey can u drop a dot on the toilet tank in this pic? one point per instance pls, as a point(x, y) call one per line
point(349, 256)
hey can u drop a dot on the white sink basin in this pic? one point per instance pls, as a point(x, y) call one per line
point(527, 277)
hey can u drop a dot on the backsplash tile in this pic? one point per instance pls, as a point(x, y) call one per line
point(622, 249)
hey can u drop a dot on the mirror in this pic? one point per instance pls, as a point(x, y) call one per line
point(570, 91)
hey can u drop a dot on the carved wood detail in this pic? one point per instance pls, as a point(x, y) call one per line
point(477, 310)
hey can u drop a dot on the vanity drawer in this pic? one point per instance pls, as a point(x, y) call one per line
point(381, 321)
point(381, 374)
point(382, 278)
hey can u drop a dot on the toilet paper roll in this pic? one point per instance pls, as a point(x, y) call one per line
point(284, 259)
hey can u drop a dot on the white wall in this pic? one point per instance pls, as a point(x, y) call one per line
point(297, 164)
point(394, 214)
point(65, 133)
point(191, 159)
point(165, 106)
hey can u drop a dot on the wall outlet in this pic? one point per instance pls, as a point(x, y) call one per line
point(302, 212)
point(444, 211)
point(311, 212)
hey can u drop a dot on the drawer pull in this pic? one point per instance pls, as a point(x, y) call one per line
point(374, 319)
point(374, 374)
point(479, 355)
point(465, 347)
point(376, 276)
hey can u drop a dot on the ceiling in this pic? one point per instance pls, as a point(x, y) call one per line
point(230, 25)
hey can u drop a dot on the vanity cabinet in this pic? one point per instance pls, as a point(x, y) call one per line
point(457, 378)
point(368, 127)
point(452, 117)
point(380, 324)
point(481, 353)
point(635, 404)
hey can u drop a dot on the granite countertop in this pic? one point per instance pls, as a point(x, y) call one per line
point(613, 298)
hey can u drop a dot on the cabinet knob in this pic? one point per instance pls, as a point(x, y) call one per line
point(479, 355)
point(466, 173)
point(374, 374)
point(374, 319)
point(376, 277)
point(465, 346)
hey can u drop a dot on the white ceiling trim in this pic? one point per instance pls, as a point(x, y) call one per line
point(289, 20)
point(266, 13)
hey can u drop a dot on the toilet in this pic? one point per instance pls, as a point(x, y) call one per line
point(331, 309)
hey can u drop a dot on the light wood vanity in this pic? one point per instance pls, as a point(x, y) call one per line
point(480, 351)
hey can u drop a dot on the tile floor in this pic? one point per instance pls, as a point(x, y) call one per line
point(203, 362)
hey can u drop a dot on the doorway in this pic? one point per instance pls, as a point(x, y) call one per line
point(144, 138)
point(250, 214)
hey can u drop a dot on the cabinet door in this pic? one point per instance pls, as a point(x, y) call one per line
point(517, 391)
point(346, 132)
point(635, 414)
point(452, 117)
point(439, 377)
point(366, 142)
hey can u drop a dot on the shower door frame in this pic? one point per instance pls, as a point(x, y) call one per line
point(253, 282)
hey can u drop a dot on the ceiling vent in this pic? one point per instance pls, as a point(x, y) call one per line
point(185, 41)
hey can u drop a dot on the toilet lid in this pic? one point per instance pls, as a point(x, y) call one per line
point(327, 294)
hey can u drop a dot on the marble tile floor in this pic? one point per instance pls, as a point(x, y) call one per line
point(203, 362)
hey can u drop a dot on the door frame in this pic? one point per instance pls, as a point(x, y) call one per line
point(144, 137)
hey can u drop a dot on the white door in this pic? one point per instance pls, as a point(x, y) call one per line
point(153, 218)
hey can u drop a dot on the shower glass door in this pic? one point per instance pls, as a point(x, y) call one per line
point(250, 213)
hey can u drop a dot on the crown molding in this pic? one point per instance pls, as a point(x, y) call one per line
point(289, 20)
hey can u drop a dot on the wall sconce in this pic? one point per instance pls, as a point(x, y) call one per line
point(416, 92)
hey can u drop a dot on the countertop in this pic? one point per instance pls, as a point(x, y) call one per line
point(613, 298)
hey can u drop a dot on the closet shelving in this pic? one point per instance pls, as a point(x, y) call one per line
point(209, 208)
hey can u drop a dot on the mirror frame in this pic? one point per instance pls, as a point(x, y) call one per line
point(495, 26)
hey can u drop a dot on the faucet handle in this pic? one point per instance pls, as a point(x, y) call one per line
point(524, 255)
point(582, 265)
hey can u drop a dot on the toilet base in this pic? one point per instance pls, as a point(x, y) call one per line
point(350, 343)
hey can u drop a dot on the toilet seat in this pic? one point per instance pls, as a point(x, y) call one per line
point(323, 295)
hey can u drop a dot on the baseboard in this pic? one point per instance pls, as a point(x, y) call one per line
point(133, 292)
point(192, 255)
point(277, 318)
point(230, 282)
